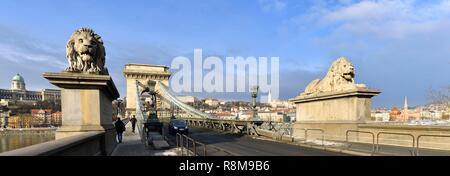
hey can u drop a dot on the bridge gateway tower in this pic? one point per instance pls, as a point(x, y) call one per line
point(143, 73)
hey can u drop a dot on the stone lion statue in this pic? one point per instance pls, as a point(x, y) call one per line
point(340, 77)
point(85, 52)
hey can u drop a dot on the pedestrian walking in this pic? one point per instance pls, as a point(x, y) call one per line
point(120, 128)
point(133, 122)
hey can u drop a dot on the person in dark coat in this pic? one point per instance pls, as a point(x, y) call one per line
point(133, 122)
point(120, 128)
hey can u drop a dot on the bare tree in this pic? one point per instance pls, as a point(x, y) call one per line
point(441, 97)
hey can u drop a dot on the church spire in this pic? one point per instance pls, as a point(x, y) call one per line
point(406, 103)
point(405, 109)
point(269, 97)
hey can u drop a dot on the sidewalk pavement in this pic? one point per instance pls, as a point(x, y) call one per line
point(365, 149)
point(133, 146)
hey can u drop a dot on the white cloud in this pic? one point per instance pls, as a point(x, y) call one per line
point(21, 55)
point(272, 5)
point(385, 18)
point(23, 49)
point(398, 46)
point(365, 10)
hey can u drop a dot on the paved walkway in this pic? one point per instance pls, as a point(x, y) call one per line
point(389, 150)
point(133, 146)
point(365, 149)
point(224, 144)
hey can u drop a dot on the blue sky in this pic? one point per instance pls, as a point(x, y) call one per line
point(401, 46)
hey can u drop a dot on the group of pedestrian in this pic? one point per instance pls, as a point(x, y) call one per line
point(120, 127)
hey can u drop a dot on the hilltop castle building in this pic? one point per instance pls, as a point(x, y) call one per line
point(18, 92)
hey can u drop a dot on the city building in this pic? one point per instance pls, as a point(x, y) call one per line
point(211, 102)
point(277, 103)
point(381, 116)
point(37, 118)
point(395, 114)
point(225, 115)
point(56, 119)
point(4, 115)
point(20, 121)
point(432, 115)
point(274, 116)
point(271, 115)
point(19, 92)
point(41, 117)
point(190, 100)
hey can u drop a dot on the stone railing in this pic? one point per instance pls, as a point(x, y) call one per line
point(85, 144)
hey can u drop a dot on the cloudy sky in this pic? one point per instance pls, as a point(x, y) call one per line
point(401, 47)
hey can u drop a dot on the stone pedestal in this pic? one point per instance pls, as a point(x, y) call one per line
point(86, 103)
point(334, 112)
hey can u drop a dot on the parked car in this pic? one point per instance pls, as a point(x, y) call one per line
point(178, 126)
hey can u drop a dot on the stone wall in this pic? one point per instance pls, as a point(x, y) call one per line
point(337, 132)
point(85, 144)
point(440, 143)
point(332, 131)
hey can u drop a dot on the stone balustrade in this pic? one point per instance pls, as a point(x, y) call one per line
point(85, 144)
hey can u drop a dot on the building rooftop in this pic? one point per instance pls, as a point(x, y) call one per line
point(17, 77)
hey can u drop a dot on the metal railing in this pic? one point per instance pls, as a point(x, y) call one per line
point(357, 131)
point(393, 133)
point(322, 132)
point(304, 133)
point(427, 135)
point(183, 142)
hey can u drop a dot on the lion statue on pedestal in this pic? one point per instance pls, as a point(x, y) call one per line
point(340, 77)
point(85, 52)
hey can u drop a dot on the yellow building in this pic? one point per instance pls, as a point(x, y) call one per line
point(20, 121)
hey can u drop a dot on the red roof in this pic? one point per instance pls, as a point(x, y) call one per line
point(35, 111)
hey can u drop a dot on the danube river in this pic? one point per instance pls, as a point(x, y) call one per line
point(14, 139)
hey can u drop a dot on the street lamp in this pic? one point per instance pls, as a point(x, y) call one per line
point(119, 111)
point(254, 92)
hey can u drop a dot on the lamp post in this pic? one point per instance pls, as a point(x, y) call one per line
point(153, 112)
point(152, 122)
point(254, 92)
point(118, 109)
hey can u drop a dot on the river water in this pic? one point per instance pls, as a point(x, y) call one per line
point(15, 141)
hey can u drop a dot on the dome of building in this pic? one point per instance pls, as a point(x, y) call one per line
point(395, 111)
point(17, 77)
point(17, 83)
